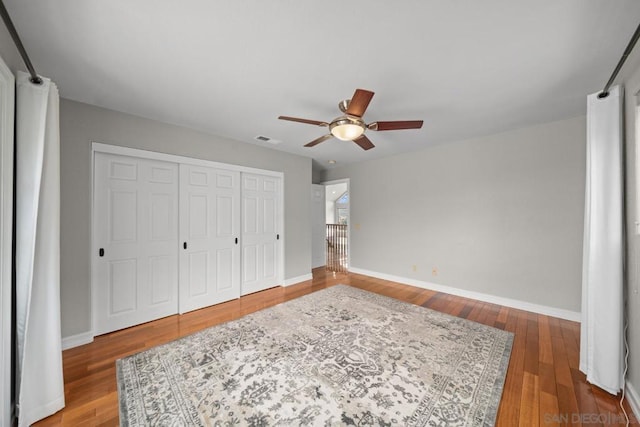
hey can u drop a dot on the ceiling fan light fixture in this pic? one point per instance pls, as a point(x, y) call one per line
point(347, 129)
point(350, 126)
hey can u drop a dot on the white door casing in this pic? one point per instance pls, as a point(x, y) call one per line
point(135, 241)
point(209, 235)
point(318, 224)
point(261, 236)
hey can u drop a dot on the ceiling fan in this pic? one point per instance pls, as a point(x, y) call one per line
point(350, 126)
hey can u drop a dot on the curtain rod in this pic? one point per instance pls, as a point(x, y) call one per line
point(625, 55)
point(35, 79)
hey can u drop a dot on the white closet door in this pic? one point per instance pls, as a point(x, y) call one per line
point(135, 241)
point(260, 235)
point(209, 233)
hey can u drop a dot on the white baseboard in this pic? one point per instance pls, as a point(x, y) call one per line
point(295, 280)
point(633, 398)
point(87, 337)
point(77, 340)
point(508, 302)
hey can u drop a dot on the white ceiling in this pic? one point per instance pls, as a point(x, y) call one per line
point(231, 67)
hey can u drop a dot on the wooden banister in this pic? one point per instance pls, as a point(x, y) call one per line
point(337, 239)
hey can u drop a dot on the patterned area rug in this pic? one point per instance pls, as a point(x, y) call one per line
point(341, 356)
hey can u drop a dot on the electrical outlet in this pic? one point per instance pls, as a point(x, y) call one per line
point(414, 267)
point(434, 271)
point(357, 226)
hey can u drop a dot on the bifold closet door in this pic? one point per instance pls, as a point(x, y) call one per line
point(260, 235)
point(135, 241)
point(209, 235)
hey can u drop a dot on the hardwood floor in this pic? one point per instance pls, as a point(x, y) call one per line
point(543, 384)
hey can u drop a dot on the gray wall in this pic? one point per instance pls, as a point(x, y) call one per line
point(81, 124)
point(8, 51)
point(316, 172)
point(501, 215)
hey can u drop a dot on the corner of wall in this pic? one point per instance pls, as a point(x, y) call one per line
point(77, 340)
point(633, 398)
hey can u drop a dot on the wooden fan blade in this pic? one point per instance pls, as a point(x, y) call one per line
point(359, 102)
point(406, 124)
point(319, 140)
point(307, 121)
point(364, 143)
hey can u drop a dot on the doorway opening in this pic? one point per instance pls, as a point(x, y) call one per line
point(337, 220)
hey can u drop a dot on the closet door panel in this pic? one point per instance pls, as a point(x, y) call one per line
point(225, 272)
point(269, 255)
point(162, 279)
point(161, 227)
point(260, 235)
point(210, 227)
point(135, 241)
point(249, 265)
point(123, 286)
